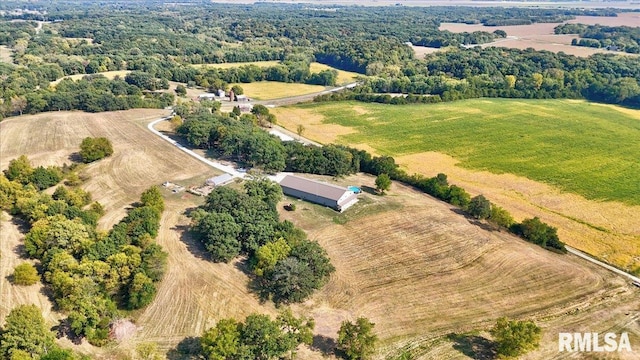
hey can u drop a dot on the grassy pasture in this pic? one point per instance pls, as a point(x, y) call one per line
point(344, 77)
point(588, 149)
point(108, 74)
point(269, 90)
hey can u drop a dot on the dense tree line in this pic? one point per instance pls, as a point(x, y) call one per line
point(509, 73)
point(288, 266)
point(90, 274)
point(239, 139)
point(92, 94)
point(617, 38)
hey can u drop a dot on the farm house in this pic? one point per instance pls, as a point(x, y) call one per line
point(335, 197)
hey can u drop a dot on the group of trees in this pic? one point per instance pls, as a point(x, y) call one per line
point(260, 337)
point(617, 38)
point(93, 149)
point(26, 336)
point(92, 94)
point(90, 273)
point(498, 72)
point(237, 138)
point(288, 267)
point(21, 171)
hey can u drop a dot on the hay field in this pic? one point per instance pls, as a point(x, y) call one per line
point(108, 74)
point(555, 159)
point(421, 271)
point(270, 90)
point(139, 161)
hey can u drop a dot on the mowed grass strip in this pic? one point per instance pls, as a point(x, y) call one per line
point(580, 147)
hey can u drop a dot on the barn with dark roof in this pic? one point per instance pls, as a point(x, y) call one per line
point(336, 197)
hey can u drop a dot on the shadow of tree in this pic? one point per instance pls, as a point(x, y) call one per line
point(474, 346)
point(324, 344)
point(369, 190)
point(188, 348)
point(75, 157)
point(195, 247)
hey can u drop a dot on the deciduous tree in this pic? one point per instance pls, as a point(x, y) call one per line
point(357, 341)
point(25, 330)
point(25, 274)
point(383, 183)
point(514, 338)
point(479, 207)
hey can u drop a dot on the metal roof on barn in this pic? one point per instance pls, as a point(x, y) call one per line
point(325, 190)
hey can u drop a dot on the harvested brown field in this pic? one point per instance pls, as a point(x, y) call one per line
point(422, 51)
point(623, 19)
point(422, 271)
point(140, 159)
point(11, 255)
point(540, 36)
point(108, 74)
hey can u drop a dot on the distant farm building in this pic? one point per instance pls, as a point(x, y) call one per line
point(207, 96)
point(242, 98)
point(335, 197)
point(219, 180)
point(210, 184)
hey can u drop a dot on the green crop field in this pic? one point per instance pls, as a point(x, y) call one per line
point(589, 149)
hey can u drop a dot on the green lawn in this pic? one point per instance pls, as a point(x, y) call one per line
point(589, 149)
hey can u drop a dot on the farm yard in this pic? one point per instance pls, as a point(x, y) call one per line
point(141, 221)
point(414, 248)
point(489, 147)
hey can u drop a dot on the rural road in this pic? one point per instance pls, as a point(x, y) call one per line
point(271, 103)
point(226, 168)
point(302, 98)
point(584, 256)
